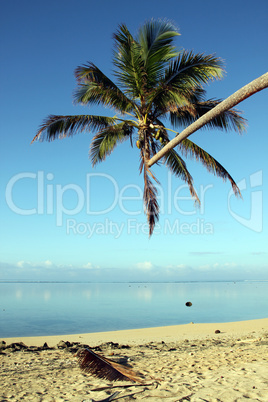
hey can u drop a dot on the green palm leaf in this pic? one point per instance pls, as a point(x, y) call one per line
point(183, 76)
point(166, 98)
point(95, 88)
point(104, 142)
point(128, 62)
point(155, 39)
point(190, 69)
point(189, 148)
point(178, 167)
point(229, 120)
point(66, 126)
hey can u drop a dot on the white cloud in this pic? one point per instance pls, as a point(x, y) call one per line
point(230, 264)
point(144, 265)
point(51, 264)
point(88, 265)
point(172, 267)
point(30, 264)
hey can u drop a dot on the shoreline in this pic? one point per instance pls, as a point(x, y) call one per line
point(154, 334)
point(177, 363)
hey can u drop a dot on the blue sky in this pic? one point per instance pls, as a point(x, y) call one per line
point(63, 220)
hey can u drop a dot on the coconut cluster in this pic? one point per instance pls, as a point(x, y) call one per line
point(157, 136)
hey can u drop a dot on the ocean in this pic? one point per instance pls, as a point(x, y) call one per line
point(33, 309)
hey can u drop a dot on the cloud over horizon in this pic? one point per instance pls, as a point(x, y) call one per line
point(139, 272)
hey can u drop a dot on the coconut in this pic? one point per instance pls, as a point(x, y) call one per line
point(138, 144)
point(157, 135)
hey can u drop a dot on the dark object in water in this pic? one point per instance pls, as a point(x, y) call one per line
point(188, 304)
point(99, 366)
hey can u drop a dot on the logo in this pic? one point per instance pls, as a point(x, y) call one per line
point(255, 219)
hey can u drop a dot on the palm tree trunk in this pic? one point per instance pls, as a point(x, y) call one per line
point(254, 86)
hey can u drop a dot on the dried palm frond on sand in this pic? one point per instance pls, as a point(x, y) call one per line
point(101, 367)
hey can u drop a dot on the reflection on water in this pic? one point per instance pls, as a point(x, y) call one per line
point(47, 295)
point(61, 308)
point(145, 294)
point(86, 294)
point(18, 294)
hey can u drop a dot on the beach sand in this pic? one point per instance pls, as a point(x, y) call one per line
point(178, 363)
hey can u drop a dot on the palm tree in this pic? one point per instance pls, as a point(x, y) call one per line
point(156, 84)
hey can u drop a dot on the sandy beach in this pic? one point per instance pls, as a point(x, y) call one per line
point(194, 362)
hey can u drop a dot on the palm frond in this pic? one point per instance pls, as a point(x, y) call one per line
point(178, 167)
point(228, 120)
point(151, 207)
point(128, 62)
point(55, 127)
point(166, 98)
point(183, 76)
point(94, 87)
point(101, 367)
point(189, 148)
point(150, 200)
point(104, 142)
point(155, 38)
point(169, 103)
point(193, 70)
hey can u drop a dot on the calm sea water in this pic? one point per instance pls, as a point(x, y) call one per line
point(32, 309)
